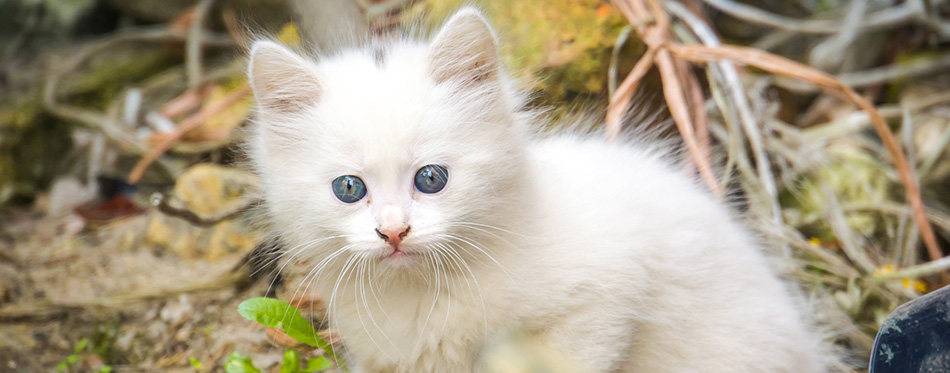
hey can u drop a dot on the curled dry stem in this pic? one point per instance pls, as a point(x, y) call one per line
point(782, 66)
point(932, 267)
point(163, 204)
point(886, 18)
point(186, 125)
point(115, 132)
point(193, 44)
point(734, 104)
point(657, 38)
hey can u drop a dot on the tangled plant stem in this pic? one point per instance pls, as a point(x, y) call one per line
point(663, 51)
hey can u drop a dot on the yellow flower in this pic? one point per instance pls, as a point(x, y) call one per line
point(884, 270)
point(909, 284)
point(918, 286)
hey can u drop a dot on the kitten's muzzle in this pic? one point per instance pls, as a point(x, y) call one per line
point(393, 236)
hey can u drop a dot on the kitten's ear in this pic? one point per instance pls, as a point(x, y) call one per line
point(464, 50)
point(283, 82)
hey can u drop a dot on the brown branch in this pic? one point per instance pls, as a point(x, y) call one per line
point(161, 202)
point(184, 103)
point(673, 91)
point(782, 66)
point(113, 131)
point(734, 105)
point(194, 41)
point(233, 27)
point(656, 36)
point(699, 109)
point(188, 124)
point(621, 100)
point(886, 18)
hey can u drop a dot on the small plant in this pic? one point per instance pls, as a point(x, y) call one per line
point(195, 363)
point(73, 358)
point(275, 313)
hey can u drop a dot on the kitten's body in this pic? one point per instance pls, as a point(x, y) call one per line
point(606, 253)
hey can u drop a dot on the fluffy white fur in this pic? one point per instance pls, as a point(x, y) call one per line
point(604, 252)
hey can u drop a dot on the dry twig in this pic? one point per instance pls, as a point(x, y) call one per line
point(113, 131)
point(193, 44)
point(740, 110)
point(883, 19)
point(188, 124)
point(877, 75)
point(657, 38)
point(936, 266)
point(161, 202)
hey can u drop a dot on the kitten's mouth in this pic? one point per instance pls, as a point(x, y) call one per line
point(398, 254)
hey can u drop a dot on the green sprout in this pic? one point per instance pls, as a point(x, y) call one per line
point(275, 313)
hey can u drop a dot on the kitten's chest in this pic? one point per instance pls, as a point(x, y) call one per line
point(431, 329)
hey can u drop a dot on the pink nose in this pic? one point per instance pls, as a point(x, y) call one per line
point(393, 235)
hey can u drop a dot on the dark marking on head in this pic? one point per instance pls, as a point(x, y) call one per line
point(379, 55)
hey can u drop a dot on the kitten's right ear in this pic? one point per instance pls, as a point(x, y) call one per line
point(283, 82)
point(464, 50)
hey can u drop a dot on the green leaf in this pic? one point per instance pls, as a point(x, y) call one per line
point(194, 362)
point(72, 359)
point(318, 364)
point(238, 363)
point(62, 366)
point(81, 345)
point(106, 369)
point(291, 362)
point(275, 313)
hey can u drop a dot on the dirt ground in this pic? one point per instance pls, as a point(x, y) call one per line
point(70, 281)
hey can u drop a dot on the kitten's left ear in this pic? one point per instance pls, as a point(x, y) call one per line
point(464, 50)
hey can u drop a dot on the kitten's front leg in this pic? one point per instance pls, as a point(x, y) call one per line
point(594, 341)
point(576, 343)
point(523, 352)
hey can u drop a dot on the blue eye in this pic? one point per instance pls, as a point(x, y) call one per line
point(431, 178)
point(349, 188)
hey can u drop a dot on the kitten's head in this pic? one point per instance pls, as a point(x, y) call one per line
point(390, 151)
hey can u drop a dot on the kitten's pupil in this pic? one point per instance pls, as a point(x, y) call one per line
point(431, 178)
point(349, 188)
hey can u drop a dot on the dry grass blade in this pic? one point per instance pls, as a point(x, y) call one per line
point(664, 53)
point(886, 18)
point(621, 100)
point(920, 270)
point(185, 102)
point(781, 66)
point(188, 124)
point(656, 36)
point(673, 91)
point(699, 110)
point(193, 44)
point(724, 77)
point(113, 131)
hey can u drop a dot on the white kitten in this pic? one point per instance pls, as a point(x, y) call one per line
point(407, 178)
